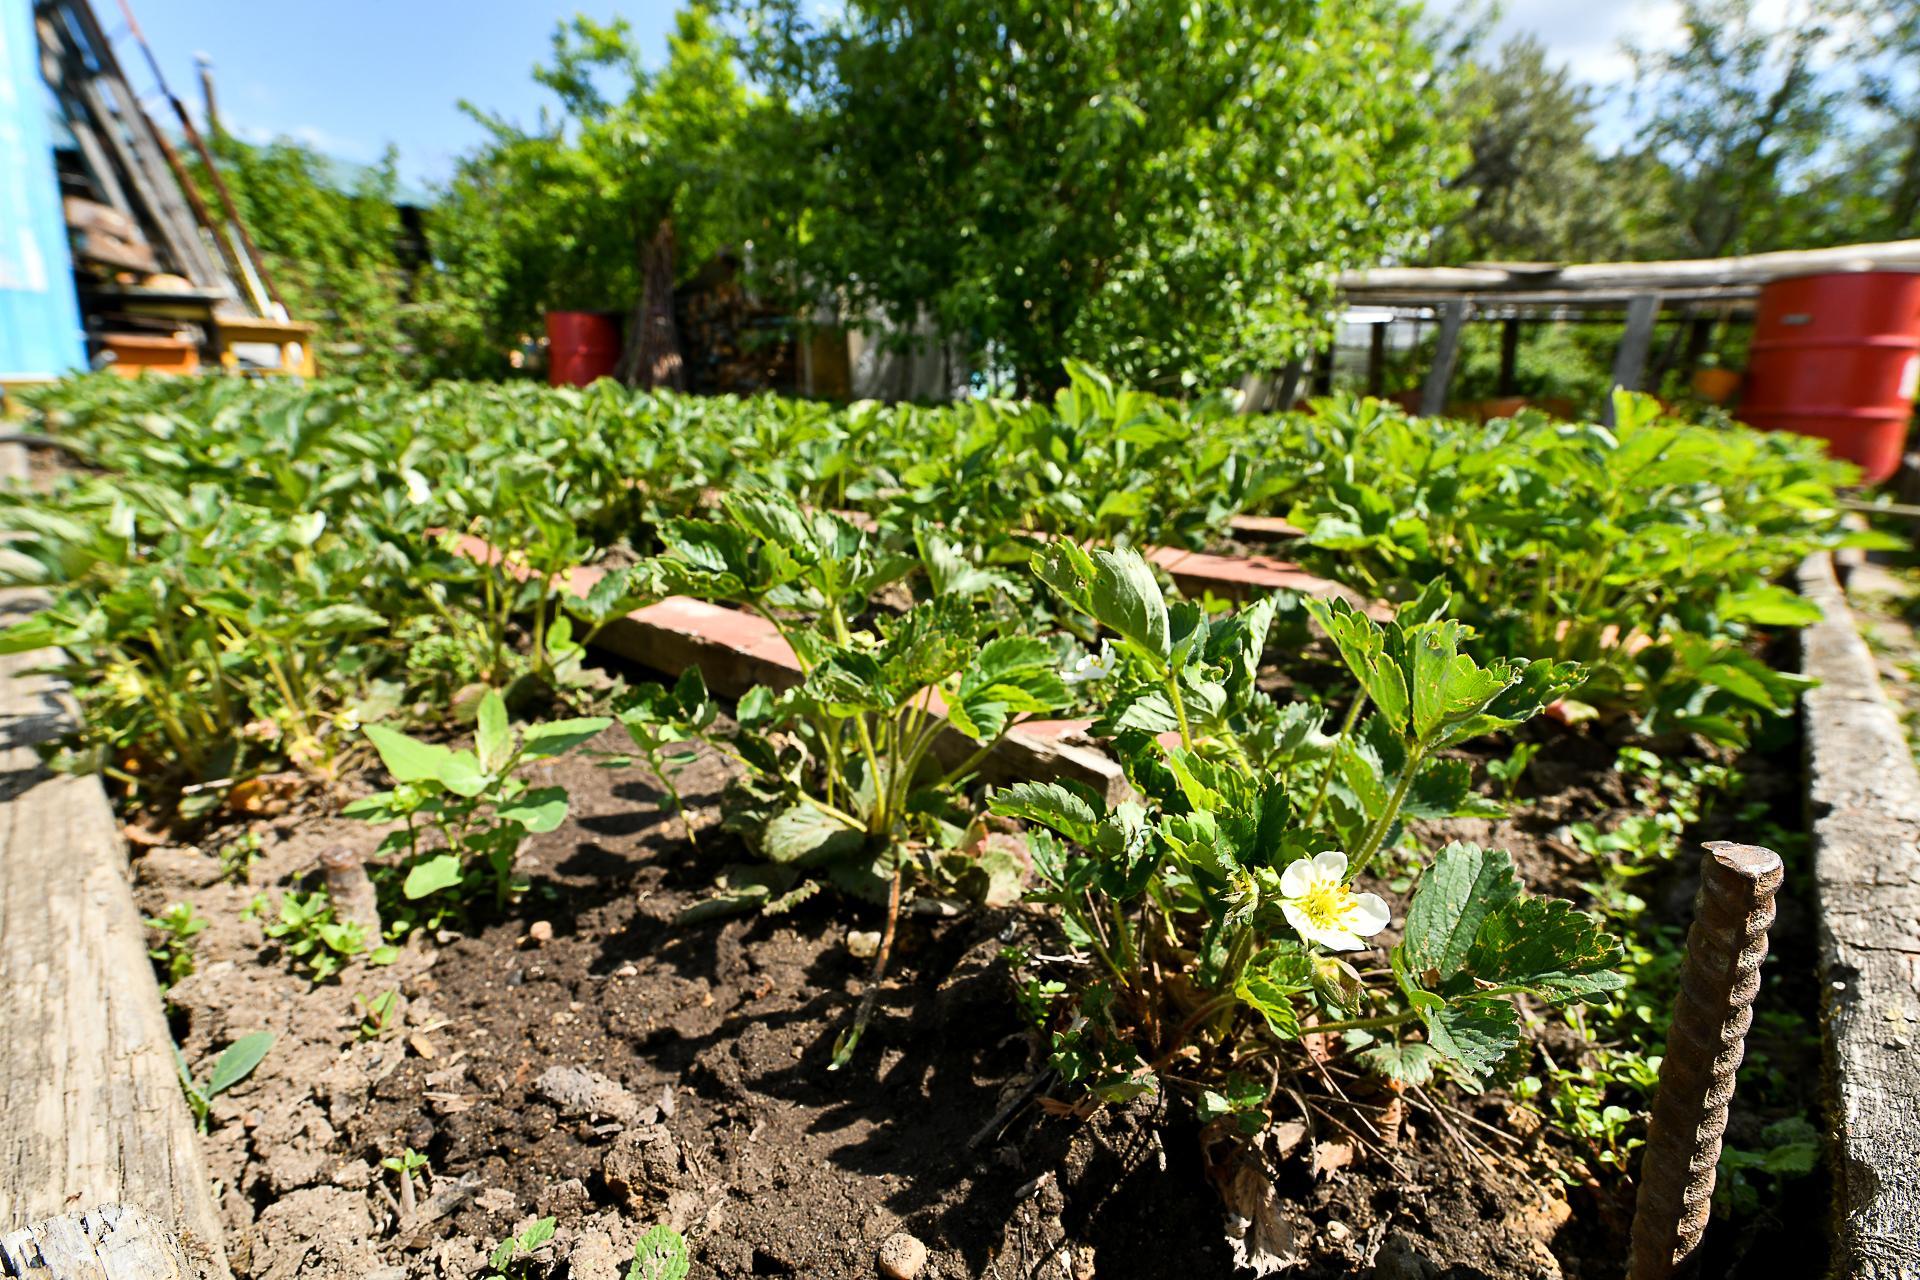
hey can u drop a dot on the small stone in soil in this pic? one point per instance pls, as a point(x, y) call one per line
point(539, 933)
point(901, 1256)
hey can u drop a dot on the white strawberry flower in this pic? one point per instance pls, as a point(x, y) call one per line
point(1092, 668)
point(1323, 908)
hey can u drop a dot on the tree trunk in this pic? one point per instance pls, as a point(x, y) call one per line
point(651, 357)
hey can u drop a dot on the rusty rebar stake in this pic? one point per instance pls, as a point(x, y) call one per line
point(1718, 980)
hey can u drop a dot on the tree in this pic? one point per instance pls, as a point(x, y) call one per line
point(556, 216)
point(1166, 190)
point(1874, 193)
point(1733, 121)
point(1540, 190)
point(332, 247)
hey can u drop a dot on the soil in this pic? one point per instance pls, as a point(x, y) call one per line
point(713, 1107)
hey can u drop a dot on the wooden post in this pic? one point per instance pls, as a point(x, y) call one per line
point(1377, 360)
point(1323, 373)
point(1630, 360)
point(1433, 396)
point(1509, 356)
point(1289, 389)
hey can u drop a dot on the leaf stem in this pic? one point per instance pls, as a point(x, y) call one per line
point(1380, 1023)
point(1378, 834)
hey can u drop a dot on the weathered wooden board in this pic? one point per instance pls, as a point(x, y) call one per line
point(1864, 802)
point(91, 1112)
point(112, 1242)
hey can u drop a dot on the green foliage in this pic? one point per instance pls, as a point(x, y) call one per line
point(234, 1065)
point(469, 802)
point(1127, 184)
point(664, 725)
point(552, 216)
point(304, 926)
point(841, 774)
point(1541, 191)
point(659, 1254)
point(177, 926)
point(512, 1258)
point(1216, 910)
point(333, 247)
point(1646, 551)
point(377, 1015)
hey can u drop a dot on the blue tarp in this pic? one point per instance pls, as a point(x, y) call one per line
point(40, 334)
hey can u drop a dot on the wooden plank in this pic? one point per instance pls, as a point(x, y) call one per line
point(1433, 395)
point(1629, 277)
point(112, 1242)
point(90, 1106)
point(1864, 795)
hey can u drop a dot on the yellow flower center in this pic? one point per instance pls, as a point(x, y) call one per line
point(1325, 904)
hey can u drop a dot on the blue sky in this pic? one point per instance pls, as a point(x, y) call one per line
point(350, 76)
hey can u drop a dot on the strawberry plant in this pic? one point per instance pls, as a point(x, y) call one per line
point(463, 814)
point(1218, 912)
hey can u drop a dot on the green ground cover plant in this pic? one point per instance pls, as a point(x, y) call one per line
point(251, 579)
point(1219, 908)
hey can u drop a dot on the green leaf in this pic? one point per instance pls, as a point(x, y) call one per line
point(1409, 1063)
point(335, 619)
point(539, 810)
point(1116, 587)
point(461, 774)
point(1070, 808)
point(1476, 1034)
point(1549, 946)
point(1127, 600)
point(537, 1234)
point(1269, 986)
point(407, 759)
point(805, 834)
point(307, 527)
point(1363, 647)
point(659, 1254)
point(1457, 893)
point(502, 1254)
point(442, 871)
point(238, 1062)
point(1012, 675)
point(557, 737)
point(1769, 606)
point(1448, 686)
point(493, 738)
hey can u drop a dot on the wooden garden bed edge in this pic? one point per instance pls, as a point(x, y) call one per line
point(1863, 805)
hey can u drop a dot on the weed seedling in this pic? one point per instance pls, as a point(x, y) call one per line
point(512, 1256)
point(177, 926)
point(377, 1016)
point(660, 1254)
point(233, 1066)
point(408, 1163)
point(305, 927)
point(1509, 771)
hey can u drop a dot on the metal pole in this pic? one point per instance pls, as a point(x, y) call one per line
point(1718, 981)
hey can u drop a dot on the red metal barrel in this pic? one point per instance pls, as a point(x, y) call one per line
point(581, 346)
point(1837, 356)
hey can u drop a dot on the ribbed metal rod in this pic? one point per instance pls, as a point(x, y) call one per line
point(1718, 981)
